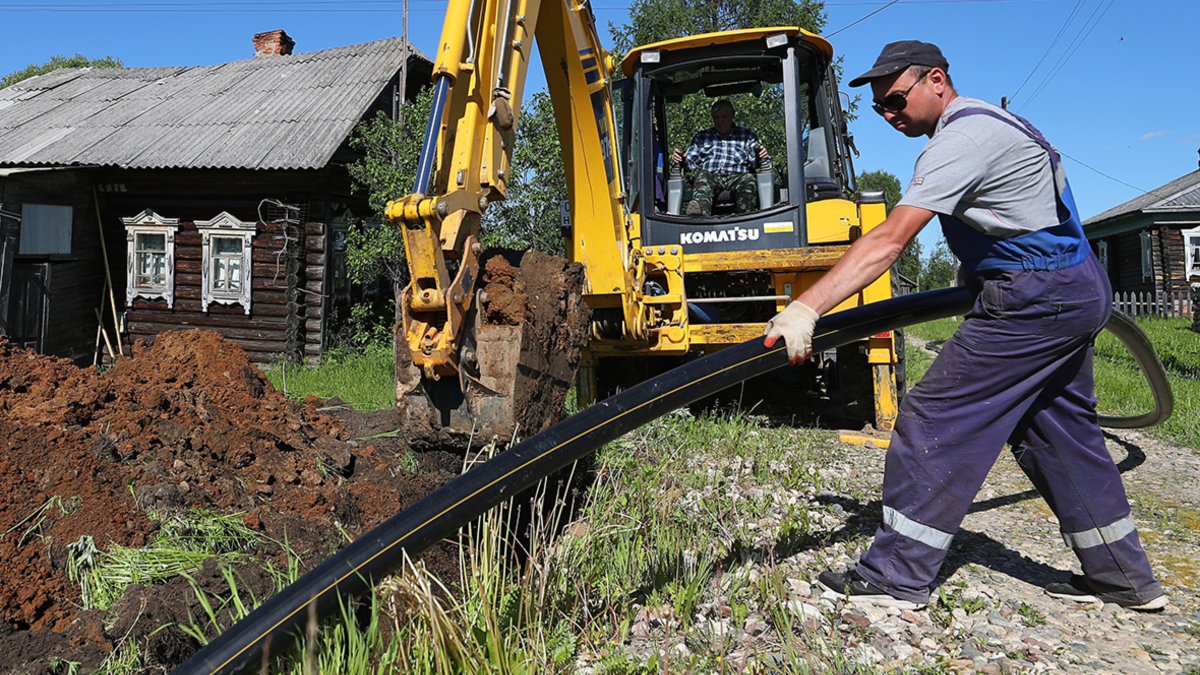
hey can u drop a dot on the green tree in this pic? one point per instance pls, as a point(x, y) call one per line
point(909, 263)
point(529, 216)
point(941, 269)
point(387, 171)
point(56, 62)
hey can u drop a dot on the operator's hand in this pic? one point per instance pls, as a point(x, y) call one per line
point(795, 324)
point(677, 156)
point(762, 152)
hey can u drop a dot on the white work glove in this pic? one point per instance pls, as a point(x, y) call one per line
point(795, 324)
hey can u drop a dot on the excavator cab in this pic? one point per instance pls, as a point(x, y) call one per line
point(776, 82)
point(709, 279)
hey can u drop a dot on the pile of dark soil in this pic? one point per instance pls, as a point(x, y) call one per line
point(187, 422)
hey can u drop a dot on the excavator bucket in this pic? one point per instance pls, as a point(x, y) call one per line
point(517, 359)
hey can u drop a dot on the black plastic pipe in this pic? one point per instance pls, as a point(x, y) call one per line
point(354, 570)
point(1138, 343)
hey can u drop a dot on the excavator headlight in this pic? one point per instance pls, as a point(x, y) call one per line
point(651, 57)
point(777, 40)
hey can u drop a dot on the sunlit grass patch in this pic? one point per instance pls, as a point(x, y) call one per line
point(366, 380)
point(1120, 387)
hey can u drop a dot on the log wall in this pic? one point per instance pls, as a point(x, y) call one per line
point(281, 322)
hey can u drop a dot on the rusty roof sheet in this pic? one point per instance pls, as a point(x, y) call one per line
point(284, 112)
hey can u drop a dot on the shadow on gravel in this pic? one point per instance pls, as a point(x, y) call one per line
point(969, 546)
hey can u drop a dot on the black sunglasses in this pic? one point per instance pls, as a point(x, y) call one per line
point(897, 101)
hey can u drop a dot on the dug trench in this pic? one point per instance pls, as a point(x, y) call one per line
point(188, 422)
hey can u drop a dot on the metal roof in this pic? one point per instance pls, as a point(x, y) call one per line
point(1181, 194)
point(278, 112)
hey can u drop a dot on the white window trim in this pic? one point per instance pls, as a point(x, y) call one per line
point(1102, 253)
point(225, 225)
point(149, 222)
point(1147, 256)
point(1192, 268)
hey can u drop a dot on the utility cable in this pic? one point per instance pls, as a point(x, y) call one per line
point(829, 35)
point(323, 592)
point(1070, 18)
point(1118, 180)
point(1072, 48)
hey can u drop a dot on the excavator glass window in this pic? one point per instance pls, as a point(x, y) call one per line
point(682, 100)
point(725, 144)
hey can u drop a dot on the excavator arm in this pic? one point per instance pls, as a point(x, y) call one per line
point(457, 378)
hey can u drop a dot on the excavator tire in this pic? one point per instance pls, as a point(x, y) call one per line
point(525, 336)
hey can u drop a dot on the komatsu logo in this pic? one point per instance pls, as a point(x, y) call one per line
point(718, 236)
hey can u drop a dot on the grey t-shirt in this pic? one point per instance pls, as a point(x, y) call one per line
point(985, 173)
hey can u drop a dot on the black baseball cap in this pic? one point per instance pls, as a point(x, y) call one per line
point(897, 56)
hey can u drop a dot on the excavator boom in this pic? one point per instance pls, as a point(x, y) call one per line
point(487, 347)
point(465, 372)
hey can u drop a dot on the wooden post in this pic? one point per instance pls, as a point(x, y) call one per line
point(107, 278)
point(1196, 308)
point(111, 354)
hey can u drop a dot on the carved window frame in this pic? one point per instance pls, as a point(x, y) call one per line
point(1191, 251)
point(137, 229)
point(1147, 255)
point(226, 226)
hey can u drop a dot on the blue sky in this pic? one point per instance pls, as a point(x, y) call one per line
point(1112, 83)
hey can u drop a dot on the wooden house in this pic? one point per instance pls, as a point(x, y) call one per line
point(178, 197)
point(1150, 245)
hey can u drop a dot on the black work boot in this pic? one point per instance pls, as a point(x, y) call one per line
point(1079, 590)
point(859, 589)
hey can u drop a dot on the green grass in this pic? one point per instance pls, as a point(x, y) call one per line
point(685, 514)
point(1120, 387)
point(366, 381)
point(182, 543)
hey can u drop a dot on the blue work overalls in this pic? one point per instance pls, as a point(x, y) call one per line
point(1018, 369)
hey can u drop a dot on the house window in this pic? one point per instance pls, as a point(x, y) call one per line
point(1191, 251)
point(1147, 257)
point(151, 251)
point(226, 265)
point(226, 246)
point(1102, 254)
point(150, 257)
point(45, 229)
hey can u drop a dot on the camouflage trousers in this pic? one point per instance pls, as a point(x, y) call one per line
point(706, 184)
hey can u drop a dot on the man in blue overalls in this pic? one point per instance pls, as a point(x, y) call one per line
point(1019, 368)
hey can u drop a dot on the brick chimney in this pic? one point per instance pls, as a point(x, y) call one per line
point(273, 43)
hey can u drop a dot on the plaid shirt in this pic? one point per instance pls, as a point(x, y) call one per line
point(736, 154)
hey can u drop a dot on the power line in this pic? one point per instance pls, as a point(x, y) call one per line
point(1070, 18)
point(1118, 180)
point(829, 35)
point(1080, 38)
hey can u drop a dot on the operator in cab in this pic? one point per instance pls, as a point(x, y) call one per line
point(723, 157)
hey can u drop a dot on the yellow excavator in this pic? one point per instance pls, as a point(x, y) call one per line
point(646, 283)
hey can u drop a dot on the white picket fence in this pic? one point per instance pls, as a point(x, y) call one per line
point(1172, 304)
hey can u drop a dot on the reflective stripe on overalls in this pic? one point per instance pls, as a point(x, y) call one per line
point(1018, 369)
